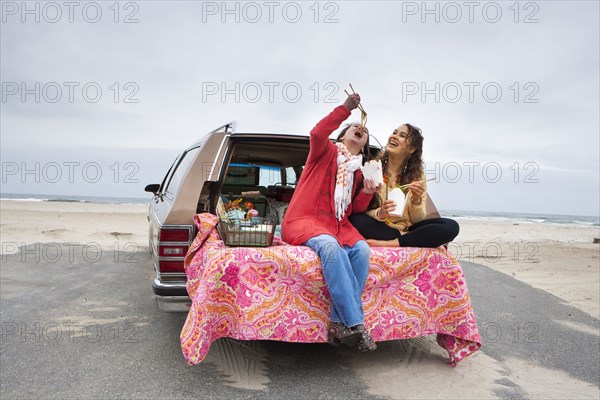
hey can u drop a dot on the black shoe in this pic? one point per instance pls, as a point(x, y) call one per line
point(340, 334)
point(366, 343)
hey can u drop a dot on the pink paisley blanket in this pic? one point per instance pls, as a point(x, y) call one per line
point(279, 293)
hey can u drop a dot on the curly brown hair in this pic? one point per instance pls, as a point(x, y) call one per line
point(413, 169)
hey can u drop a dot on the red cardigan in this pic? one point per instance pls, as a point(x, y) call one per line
point(311, 211)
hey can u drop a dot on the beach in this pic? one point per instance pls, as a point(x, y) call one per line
point(559, 259)
point(84, 223)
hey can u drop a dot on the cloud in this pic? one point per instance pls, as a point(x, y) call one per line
point(158, 78)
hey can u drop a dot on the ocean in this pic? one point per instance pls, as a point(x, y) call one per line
point(525, 218)
point(75, 199)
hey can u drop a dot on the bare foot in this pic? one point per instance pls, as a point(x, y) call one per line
point(383, 243)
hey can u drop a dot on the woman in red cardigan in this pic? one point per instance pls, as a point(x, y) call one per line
point(331, 188)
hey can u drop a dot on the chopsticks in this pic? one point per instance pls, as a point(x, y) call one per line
point(360, 107)
point(363, 113)
point(404, 186)
point(423, 181)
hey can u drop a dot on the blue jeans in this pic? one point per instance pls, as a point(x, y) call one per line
point(346, 270)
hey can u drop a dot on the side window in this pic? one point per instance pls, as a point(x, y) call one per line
point(181, 170)
point(269, 176)
point(290, 177)
point(163, 185)
point(242, 174)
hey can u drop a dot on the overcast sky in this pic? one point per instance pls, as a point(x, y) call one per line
point(506, 93)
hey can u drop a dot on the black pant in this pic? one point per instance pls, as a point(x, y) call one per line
point(427, 233)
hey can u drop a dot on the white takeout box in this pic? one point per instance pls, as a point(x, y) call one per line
point(373, 170)
point(399, 198)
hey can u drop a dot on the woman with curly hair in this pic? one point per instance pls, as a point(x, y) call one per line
point(402, 165)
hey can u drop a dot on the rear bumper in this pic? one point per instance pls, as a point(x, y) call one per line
point(171, 297)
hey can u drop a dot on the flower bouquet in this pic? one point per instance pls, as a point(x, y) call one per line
point(240, 225)
point(241, 210)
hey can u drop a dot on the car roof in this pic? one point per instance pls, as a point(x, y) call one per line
point(264, 135)
point(269, 134)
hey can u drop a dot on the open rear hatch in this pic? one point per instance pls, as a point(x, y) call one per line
point(262, 169)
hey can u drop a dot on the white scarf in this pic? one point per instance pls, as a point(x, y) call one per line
point(346, 165)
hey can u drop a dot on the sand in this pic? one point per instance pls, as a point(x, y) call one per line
point(560, 259)
point(60, 222)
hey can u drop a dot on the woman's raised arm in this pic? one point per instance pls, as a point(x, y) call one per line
point(319, 136)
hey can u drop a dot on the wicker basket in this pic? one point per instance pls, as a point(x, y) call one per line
point(237, 233)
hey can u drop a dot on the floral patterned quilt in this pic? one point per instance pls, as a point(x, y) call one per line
point(279, 293)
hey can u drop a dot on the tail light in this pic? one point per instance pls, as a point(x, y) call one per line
point(173, 244)
point(172, 251)
point(172, 267)
point(174, 235)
